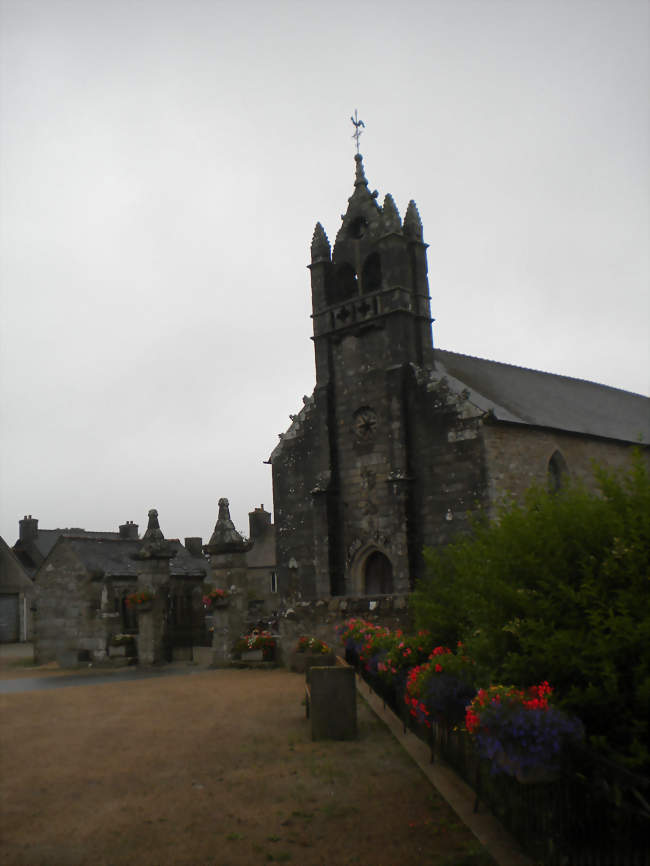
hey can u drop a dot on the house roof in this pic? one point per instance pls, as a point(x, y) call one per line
point(13, 576)
point(112, 557)
point(47, 538)
point(522, 396)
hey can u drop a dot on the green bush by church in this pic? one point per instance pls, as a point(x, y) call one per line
point(557, 588)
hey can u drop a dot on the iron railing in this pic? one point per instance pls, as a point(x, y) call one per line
point(594, 813)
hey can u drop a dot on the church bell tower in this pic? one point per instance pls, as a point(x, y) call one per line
point(373, 286)
point(344, 480)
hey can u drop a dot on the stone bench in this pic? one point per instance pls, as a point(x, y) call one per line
point(331, 701)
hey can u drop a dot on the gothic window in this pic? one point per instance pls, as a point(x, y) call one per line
point(343, 285)
point(378, 574)
point(557, 473)
point(371, 274)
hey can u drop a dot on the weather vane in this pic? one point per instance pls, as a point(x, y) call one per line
point(357, 128)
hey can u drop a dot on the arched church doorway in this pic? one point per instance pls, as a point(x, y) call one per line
point(378, 574)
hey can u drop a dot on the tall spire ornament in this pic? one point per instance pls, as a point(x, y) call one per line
point(357, 128)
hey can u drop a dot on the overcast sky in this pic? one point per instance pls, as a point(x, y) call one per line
point(163, 163)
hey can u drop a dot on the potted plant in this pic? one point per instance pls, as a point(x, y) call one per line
point(121, 645)
point(257, 646)
point(141, 600)
point(354, 633)
point(216, 598)
point(405, 652)
point(520, 732)
point(308, 652)
point(440, 689)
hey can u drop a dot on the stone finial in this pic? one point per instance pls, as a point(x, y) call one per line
point(392, 221)
point(154, 545)
point(360, 177)
point(153, 527)
point(225, 537)
point(320, 245)
point(412, 221)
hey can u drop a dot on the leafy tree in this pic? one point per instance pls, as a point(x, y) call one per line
point(557, 588)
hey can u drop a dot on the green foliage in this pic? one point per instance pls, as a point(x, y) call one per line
point(558, 589)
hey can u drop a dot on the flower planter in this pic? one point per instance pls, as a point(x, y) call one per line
point(256, 655)
point(301, 662)
point(118, 651)
point(145, 607)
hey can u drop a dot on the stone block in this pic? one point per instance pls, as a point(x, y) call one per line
point(333, 703)
point(203, 655)
point(182, 654)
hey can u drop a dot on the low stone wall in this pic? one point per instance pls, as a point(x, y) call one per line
point(321, 618)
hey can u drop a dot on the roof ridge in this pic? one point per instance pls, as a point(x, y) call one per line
point(544, 372)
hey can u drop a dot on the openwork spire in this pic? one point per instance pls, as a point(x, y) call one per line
point(320, 246)
point(392, 221)
point(412, 222)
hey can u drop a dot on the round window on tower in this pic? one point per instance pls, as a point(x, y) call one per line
point(358, 227)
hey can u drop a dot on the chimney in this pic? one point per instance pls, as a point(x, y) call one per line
point(129, 530)
point(28, 528)
point(259, 521)
point(194, 546)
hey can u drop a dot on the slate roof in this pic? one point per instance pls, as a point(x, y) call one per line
point(13, 576)
point(522, 396)
point(47, 538)
point(111, 557)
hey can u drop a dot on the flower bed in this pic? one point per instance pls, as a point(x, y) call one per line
point(216, 598)
point(440, 689)
point(518, 730)
point(310, 652)
point(261, 641)
point(140, 600)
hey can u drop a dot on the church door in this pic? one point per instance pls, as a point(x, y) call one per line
point(378, 574)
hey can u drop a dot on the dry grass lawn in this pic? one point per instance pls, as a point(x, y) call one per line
point(213, 768)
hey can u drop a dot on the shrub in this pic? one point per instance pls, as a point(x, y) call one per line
point(557, 588)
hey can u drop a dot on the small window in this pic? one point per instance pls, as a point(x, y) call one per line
point(357, 228)
point(274, 582)
point(342, 285)
point(557, 473)
point(371, 274)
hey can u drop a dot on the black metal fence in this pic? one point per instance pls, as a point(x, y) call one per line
point(595, 813)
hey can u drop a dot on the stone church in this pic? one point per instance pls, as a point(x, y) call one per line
point(400, 441)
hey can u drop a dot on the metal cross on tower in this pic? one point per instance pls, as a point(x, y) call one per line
point(357, 128)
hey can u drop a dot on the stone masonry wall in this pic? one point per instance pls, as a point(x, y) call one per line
point(320, 619)
point(66, 604)
point(518, 456)
point(447, 464)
